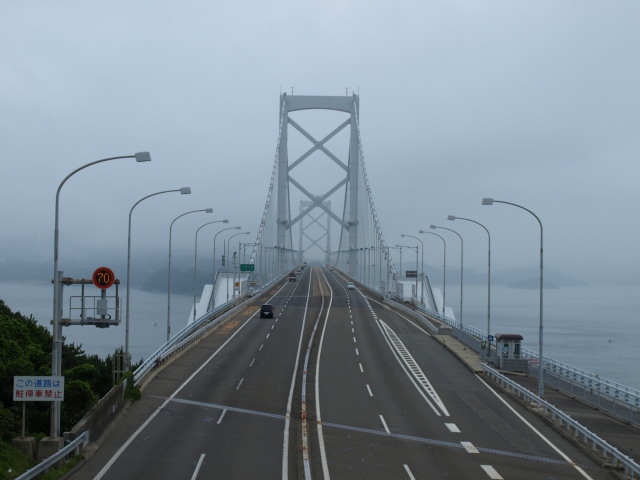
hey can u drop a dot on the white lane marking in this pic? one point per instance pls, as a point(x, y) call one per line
point(261, 346)
point(222, 416)
point(195, 472)
point(406, 468)
point(546, 440)
point(354, 339)
point(272, 327)
point(357, 352)
point(252, 361)
point(411, 368)
point(323, 453)
point(384, 424)
point(452, 427)
point(361, 369)
point(468, 446)
point(369, 389)
point(277, 320)
point(240, 383)
point(268, 335)
point(353, 330)
point(493, 474)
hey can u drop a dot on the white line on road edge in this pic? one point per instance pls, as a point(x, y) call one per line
point(406, 468)
point(195, 472)
point(384, 424)
point(546, 440)
point(130, 440)
point(493, 474)
point(222, 416)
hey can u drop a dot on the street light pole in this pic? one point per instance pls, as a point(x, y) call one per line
point(444, 269)
point(195, 262)
point(206, 210)
point(127, 359)
point(461, 265)
point(491, 201)
point(213, 294)
point(229, 251)
point(56, 353)
point(421, 269)
point(451, 217)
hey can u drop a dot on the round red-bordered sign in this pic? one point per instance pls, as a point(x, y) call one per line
point(103, 277)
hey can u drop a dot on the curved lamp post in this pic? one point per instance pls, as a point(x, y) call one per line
point(206, 210)
point(229, 251)
point(56, 354)
point(491, 201)
point(452, 218)
point(461, 265)
point(183, 191)
point(195, 262)
point(444, 269)
point(421, 268)
point(213, 294)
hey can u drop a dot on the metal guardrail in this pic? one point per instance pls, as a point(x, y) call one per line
point(187, 335)
point(614, 397)
point(73, 447)
point(631, 468)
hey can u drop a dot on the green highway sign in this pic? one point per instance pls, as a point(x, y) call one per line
point(247, 267)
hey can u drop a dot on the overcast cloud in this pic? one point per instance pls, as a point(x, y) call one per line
point(532, 102)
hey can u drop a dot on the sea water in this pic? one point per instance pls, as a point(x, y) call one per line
point(595, 328)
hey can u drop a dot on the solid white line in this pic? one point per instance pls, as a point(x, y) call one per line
point(384, 424)
point(222, 416)
point(493, 474)
point(195, 472)
point(361, 369)
point(240, 383)
point(452, 427)
point(468, 446)
point(406, 467)
point(546, 440)
point(370, 392)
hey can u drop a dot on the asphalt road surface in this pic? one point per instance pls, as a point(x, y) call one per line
point(337, 386)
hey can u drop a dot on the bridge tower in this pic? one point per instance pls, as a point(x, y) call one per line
point(323, 234)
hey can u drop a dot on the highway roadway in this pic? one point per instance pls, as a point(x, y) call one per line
point(382, 400)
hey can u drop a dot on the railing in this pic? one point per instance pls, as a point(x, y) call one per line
point(187, 335)
point(72, 447)
point(631, 468)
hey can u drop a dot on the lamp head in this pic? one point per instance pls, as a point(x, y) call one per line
point(143, 157)
point(237, 228)
point(433, 227)
point(402, 235)
point(225, 221)
point(421, 231)
point(208, 210)
point(451, 217)
point(487, 201)
point(247, 233)
point(185, 191)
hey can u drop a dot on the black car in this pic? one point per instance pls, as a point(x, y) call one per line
point(266, 311)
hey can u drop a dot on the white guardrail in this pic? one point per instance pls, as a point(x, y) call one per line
point(631, 468)
point(73, 447)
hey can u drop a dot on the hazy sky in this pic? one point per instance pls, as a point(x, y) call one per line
point(532, 102)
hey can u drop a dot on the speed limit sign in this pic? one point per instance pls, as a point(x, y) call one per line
point(103, 277)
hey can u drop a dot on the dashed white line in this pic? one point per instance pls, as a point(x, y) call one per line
point(261, 346)
point(267, 335)
point(252, 361)
point(354, 339)
point(452, 427)
point(493, 474)
point(222, 416)
point(361, 369)
point(468, 446)
point(240, 383)
point(369, 389)
point(406, 468)
point(197, 470)
point(353, 330)
point(384, 424)
point(357, 352)
point(272, 327)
